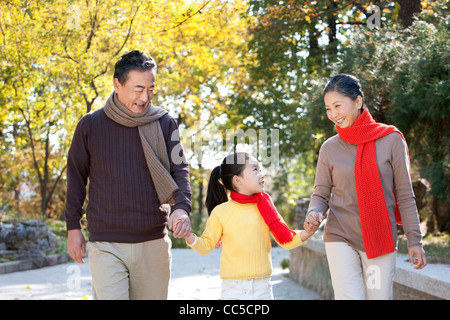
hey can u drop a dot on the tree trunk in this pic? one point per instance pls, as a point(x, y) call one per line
point(332, 44)
point(407, 10)
point(315, 58)
point(441, 212)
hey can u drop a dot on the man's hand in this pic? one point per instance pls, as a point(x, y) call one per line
point(180, 224)
point(76, 245)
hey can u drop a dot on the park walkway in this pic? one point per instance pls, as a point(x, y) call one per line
point(194, 277)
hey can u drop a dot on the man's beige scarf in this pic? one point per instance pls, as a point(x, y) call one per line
point(152, 140)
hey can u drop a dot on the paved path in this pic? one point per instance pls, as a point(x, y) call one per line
point(194, 277)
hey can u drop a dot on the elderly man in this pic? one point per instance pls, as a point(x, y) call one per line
point(131, 154)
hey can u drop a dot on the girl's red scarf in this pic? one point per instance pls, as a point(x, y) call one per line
point(265, 205)
point(374, 215)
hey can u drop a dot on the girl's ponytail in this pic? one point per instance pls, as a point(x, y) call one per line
point(221, 179)
point(216, 193)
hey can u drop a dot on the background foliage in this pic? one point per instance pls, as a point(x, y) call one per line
point(222, 65)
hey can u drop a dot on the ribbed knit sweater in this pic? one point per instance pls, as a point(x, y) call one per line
point(122, 202)
point(245, 240)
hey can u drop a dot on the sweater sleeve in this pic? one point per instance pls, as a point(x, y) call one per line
point(404, 192)
point(322, 184)
point(207, 242)
point(296, 241)
point(179, 167)
point(77, 175)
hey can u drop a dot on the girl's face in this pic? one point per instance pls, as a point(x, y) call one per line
point(251, 180)
point(342, 110)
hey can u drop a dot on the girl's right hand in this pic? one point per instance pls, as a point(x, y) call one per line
point(190, 239)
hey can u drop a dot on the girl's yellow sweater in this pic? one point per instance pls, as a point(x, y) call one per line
point(245, 241)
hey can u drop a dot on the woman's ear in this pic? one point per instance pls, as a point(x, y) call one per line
point(359, 102)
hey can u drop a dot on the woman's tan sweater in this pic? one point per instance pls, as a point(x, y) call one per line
point(334, 188)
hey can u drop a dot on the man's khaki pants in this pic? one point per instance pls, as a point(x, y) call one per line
point(122, 271)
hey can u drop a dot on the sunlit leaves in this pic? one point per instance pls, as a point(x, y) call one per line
point(57, 60)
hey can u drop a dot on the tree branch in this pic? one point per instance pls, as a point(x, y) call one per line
point(128, 33)
point(47, 203)
point(189, 17)
point(33, 150)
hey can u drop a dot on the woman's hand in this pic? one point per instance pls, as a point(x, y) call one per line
point(313, 221)
point(417, 257)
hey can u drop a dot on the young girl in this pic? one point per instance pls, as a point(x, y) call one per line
point(243, 225)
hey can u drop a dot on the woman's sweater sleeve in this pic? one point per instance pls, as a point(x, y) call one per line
point(322, 184)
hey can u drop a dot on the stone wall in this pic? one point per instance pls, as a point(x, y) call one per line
point(309, 267)
point(28, 243)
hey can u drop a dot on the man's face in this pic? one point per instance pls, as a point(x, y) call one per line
point(137, 92)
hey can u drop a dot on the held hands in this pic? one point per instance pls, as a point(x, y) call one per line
point(180, 224)
point(312, 223)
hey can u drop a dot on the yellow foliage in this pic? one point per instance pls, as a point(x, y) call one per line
point(57, 63)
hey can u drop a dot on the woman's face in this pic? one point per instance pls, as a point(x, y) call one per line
point(342, 110)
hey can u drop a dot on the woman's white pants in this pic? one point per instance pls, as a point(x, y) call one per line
point(355, 277)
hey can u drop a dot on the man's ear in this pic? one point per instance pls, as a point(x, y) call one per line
point(117, 85)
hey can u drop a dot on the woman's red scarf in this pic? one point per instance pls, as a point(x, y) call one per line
point(374, 215)
point(265, 205)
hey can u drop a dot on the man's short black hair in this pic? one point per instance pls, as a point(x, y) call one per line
point(134, 60)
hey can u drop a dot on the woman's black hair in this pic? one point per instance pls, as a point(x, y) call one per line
point(347, 85)
point(221, 179)
point(134, 60)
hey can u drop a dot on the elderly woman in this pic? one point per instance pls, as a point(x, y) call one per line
point(363, 178)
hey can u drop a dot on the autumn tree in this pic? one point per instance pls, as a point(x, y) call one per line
point(50, 66)
point(57, 65)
